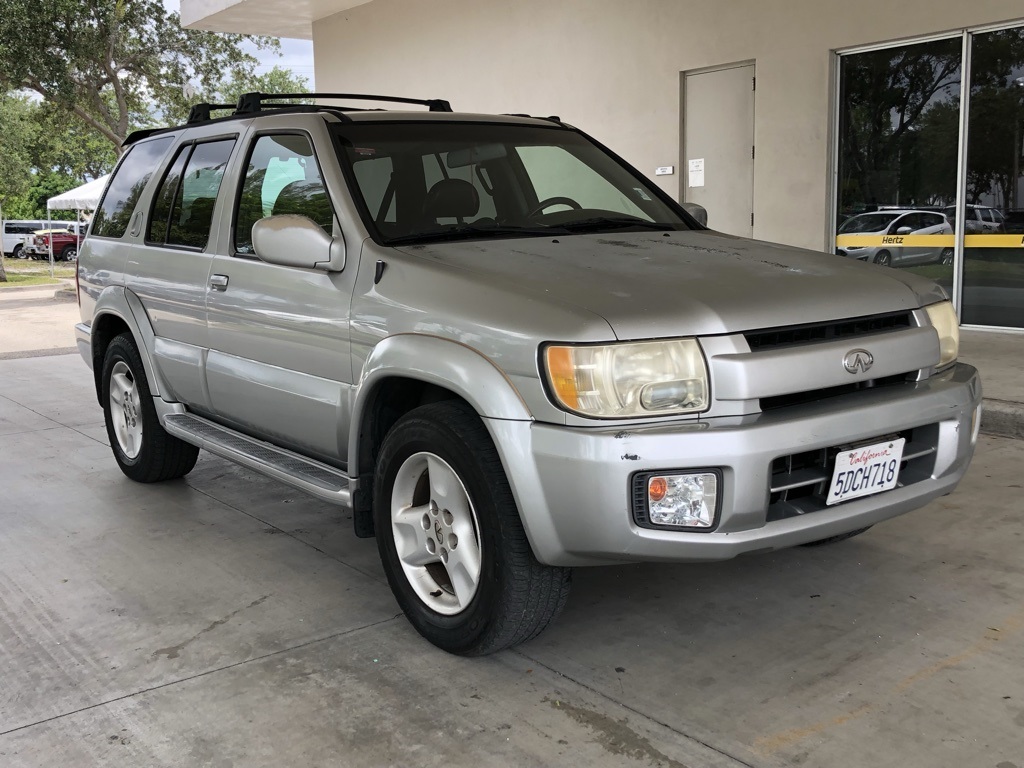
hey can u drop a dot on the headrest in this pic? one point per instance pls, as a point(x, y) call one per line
point(451, 199)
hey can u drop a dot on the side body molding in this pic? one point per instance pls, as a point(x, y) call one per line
point(443, 362)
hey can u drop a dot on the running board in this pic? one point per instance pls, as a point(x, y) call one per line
point(314, 478)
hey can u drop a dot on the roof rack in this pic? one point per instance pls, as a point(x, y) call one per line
point(201, 112)
point(254, 103)
point(250, 103)
point(550, 118)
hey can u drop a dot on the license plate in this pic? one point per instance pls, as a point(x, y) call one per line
point(865, 470)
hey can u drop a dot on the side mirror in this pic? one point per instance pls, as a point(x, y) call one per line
point(904, 231)
point(297, 241)
point(699, 212)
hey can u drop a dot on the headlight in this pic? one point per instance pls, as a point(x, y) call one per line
point(653, 378)
point(944, 320)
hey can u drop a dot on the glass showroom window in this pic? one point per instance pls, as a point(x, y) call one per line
point(899, 117)
point(914, 191)
point(993, 276)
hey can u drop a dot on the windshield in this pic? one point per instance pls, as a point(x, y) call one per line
point(869, 222)
point(423, 182)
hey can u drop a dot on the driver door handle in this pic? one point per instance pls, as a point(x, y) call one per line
point(219, 282)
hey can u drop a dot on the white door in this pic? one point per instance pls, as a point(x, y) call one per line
point(718, 146)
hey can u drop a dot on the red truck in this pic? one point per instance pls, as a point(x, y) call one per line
point(65, 244)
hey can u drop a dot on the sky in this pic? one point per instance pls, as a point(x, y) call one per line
point(296, 55)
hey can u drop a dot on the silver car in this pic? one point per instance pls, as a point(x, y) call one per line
point(506, 351)
point(891, 227)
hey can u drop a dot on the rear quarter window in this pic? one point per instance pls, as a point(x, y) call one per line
point(126, 187)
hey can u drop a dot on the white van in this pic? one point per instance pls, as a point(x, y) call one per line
point(14, 234)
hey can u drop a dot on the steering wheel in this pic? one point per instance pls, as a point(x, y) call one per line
point(554, 201)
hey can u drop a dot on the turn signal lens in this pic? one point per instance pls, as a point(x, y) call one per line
point(563, 376)
point(657, 487)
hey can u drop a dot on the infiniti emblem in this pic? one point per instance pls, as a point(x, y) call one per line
point(858, 360)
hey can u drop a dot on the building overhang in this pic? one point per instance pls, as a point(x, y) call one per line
point(261, 17)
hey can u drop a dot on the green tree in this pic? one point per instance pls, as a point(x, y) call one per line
point(275, 80)
point(113, 64)
point(69, 146)
point(16, 140)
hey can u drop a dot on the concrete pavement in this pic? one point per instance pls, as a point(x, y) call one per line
point(227, 620)
point(33, 322)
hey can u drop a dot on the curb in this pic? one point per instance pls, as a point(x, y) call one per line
point(1002, 418)
point(68, 293)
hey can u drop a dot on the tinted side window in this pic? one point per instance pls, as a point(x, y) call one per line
point(282, 177)
point(126, 187)
point(183, 205)
point(163, 200)
point(192, 213)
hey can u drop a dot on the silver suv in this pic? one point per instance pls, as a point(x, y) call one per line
point(506, 350)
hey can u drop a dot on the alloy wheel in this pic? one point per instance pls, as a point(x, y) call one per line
point(436, 532)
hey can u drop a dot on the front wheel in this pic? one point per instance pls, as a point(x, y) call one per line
point(451, 540)
point(143, 450)
point(883, 259)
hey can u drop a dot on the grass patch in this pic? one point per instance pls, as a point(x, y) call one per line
point(28, 267)
point(16, 280)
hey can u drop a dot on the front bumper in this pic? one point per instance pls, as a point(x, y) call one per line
point(572, 485)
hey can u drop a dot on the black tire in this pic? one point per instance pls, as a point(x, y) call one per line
point(946, 256)
point(161, 456)
point(19, 252)
point(883, 259)
point(516, 597)
point(836, 539)
point(70, 253)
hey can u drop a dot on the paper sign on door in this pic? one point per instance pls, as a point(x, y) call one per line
point(697, 172)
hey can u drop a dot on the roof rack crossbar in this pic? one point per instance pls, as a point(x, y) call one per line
point(253, 102)
point(201, 112)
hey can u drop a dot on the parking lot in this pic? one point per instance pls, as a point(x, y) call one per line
point(227, 620)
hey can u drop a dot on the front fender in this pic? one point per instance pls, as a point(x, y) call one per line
point(445, 363)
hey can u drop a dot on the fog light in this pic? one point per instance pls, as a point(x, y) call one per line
point(683, 501)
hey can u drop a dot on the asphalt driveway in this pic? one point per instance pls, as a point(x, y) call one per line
point(227, 620)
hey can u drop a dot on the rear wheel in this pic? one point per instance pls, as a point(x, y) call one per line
point(946, 257)
point(451, 540)
point(883, 259)
point(19, 252)
point(143, 450)
point(70, 253)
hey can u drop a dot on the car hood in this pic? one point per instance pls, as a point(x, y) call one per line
point(649, 285)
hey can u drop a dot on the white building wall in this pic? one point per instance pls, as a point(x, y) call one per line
point(613, 69)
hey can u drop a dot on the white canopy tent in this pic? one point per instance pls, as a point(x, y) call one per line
point(83, 198)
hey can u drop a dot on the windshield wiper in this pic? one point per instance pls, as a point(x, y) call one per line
point(614, 222)
point(466, 231)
